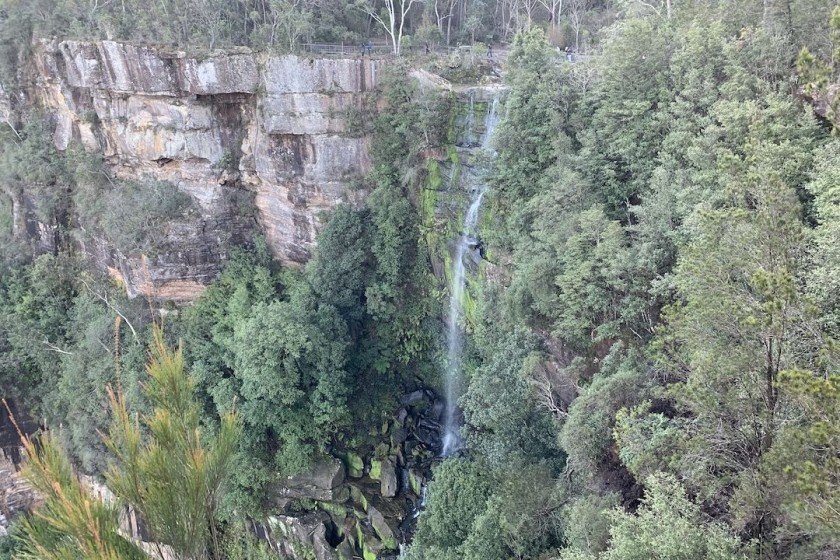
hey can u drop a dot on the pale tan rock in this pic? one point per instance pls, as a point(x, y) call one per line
point(213, 126)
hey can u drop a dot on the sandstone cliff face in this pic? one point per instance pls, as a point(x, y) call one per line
point(234, 130)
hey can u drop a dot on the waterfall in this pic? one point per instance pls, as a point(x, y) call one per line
point(467, 241)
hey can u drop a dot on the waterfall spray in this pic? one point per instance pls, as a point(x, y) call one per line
point(467, 241)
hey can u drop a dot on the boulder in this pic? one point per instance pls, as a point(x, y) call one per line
point(368, 543)
point(415, 482)
point(389, 483)
point(302, 537)
point(375, 469)
point(345, 550)
point(383, 530)
point(398, 437)
point(358, 497)
point(320, 482)
point(355, 464)
point(413, 398)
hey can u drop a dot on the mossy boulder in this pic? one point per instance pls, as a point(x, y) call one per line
point(358, 497)
point(389, 483)
point(415, 482)
point(375, 469)
point(367, 542)
point(354, 464)
point(383, 529)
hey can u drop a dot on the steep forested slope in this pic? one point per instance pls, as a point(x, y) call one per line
point(650, 317)
point(657, 310)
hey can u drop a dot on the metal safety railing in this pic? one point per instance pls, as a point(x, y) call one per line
point(386, 49)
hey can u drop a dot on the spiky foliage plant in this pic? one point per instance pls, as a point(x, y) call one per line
point(71, 524)
point(168, 467)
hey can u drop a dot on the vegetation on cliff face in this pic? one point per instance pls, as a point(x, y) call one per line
point(653, 358)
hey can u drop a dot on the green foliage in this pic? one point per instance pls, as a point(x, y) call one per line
point(475, 512)
point(586, 524)
point(824, 276)
point(456, 498)
point(411, 122)
point(132, 215)
point(503, 421)
point(35, 303)
point(663, 281)
point(8, 546)
point(166, 466)
point(398, 298)
point(587, 434)
point(342, 263)
point(208, 329)
point(170, 470)
point(71, 523)
point(687, 536)
point(625, 129)
point(103, 352)
point(239, 543)
point(804, 456)
point(290, 360)
point(689, 183)
point(667, 525)
point(522, 517)
point(319, 353)
point(66, 333)
point(31, 166)
point(813, 72)
point(647, 441)
point(527, 139)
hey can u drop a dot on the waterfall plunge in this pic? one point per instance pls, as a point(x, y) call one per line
point(467, 241)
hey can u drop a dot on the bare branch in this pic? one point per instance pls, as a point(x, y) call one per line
point(55, 348)
point(112, 307)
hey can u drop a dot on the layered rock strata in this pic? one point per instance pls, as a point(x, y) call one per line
point(255, 139)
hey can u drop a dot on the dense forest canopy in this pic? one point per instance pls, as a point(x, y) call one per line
point(652, 361)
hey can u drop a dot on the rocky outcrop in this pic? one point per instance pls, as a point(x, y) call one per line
point(247, 135)
point(302, 536)
point(319, 482)
point(17, 496)
point(825, 101)
point(366, 504)
point(388, 480)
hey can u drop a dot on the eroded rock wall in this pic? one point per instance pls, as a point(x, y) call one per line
point(237, 130)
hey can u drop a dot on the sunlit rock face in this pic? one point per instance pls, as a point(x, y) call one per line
point(261, 143)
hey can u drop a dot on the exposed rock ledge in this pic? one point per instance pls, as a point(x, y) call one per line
point(223, 128)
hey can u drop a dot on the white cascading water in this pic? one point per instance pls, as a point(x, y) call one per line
point(454, 334)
